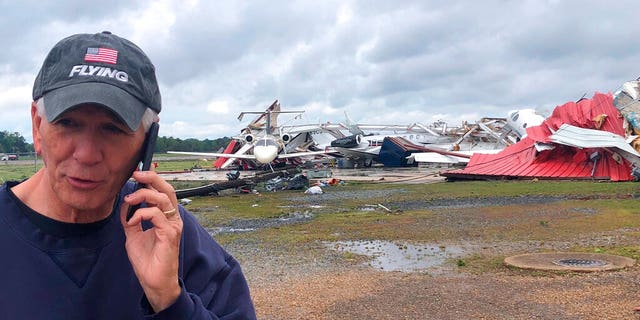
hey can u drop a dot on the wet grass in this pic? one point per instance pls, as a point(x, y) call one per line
point(460, 189)
point(594, 208)
point(593, 212)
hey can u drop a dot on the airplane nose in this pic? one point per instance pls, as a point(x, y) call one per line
point(265, 154)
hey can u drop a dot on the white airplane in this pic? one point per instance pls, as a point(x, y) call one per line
point(363, 149)
point(259, 141)
point(520, 120)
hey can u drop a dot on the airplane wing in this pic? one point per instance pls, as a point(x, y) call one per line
point(449, 156)
point(433, 157)
point(214, 154)
point(251, 156)
point(302, 154)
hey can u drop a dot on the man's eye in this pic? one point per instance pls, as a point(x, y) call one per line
point(113, 129)
point(66, 123)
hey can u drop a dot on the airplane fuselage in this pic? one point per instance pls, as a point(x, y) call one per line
point(266, 149)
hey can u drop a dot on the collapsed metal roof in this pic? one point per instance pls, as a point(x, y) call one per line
point(554, 151)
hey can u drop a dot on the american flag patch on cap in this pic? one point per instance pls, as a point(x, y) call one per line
point(101, 55)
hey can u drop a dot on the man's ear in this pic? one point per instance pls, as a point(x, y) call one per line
point(36, 120)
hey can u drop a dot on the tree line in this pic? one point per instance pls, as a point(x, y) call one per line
point(165, 144)
point(13, 142)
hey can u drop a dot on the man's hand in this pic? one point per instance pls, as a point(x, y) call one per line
point(154, 253)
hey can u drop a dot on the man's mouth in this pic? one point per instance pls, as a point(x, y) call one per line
point(81, 183)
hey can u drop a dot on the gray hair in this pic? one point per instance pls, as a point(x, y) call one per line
point(148, 117)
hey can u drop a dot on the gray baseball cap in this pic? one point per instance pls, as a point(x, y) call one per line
point(102, 69)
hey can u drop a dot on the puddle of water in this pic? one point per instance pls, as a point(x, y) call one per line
point(309, 206)
point(297, 216)
point(389, 256)
point(249, 225)
point(218, 230)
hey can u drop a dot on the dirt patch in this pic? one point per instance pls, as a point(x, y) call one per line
point(313, 288)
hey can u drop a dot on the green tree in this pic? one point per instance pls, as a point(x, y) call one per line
point(13, 142)
point(165, 144)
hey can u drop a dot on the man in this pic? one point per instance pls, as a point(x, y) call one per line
point(69, 251)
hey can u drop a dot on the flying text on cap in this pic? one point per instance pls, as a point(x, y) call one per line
point(98, 71)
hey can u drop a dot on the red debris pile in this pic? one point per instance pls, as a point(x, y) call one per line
point(538, 156)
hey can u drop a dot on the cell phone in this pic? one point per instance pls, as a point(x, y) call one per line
point(145, 160)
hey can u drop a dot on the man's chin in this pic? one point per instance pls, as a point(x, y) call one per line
point(90, 201)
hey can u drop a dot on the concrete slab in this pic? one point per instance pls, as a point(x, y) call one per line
point(398, 175)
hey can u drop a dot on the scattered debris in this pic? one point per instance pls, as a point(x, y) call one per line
point(277, 183)
point(233, 175)
point(239, 184)
point(297, 182)
point(314, 190)
point(319, 173)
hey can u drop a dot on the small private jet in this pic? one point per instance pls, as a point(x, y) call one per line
point(260, 142)
point(363, 144)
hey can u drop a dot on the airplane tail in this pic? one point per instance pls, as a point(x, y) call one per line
point(352, 126)
point(260, 122)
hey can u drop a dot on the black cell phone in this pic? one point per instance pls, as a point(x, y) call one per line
point(145, 160)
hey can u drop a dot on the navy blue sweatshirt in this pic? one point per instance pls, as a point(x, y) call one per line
point(56, 270)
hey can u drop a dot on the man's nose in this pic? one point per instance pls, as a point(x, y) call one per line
point(88, 149)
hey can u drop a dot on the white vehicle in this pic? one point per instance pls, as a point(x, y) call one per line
point(9, 157)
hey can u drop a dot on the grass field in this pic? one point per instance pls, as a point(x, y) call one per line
point(590, 207)
point(10, 170)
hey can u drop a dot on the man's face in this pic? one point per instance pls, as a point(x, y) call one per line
point(88, 155)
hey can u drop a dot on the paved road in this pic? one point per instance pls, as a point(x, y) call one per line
point(19, 162)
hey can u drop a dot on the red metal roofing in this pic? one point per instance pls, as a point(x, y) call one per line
point(581, 114)
point(229, 149)
point(522, 160)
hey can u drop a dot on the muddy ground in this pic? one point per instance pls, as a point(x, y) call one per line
point(302, 284)
point(316, 282)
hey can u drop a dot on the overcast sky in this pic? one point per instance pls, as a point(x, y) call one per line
point(392, 62)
